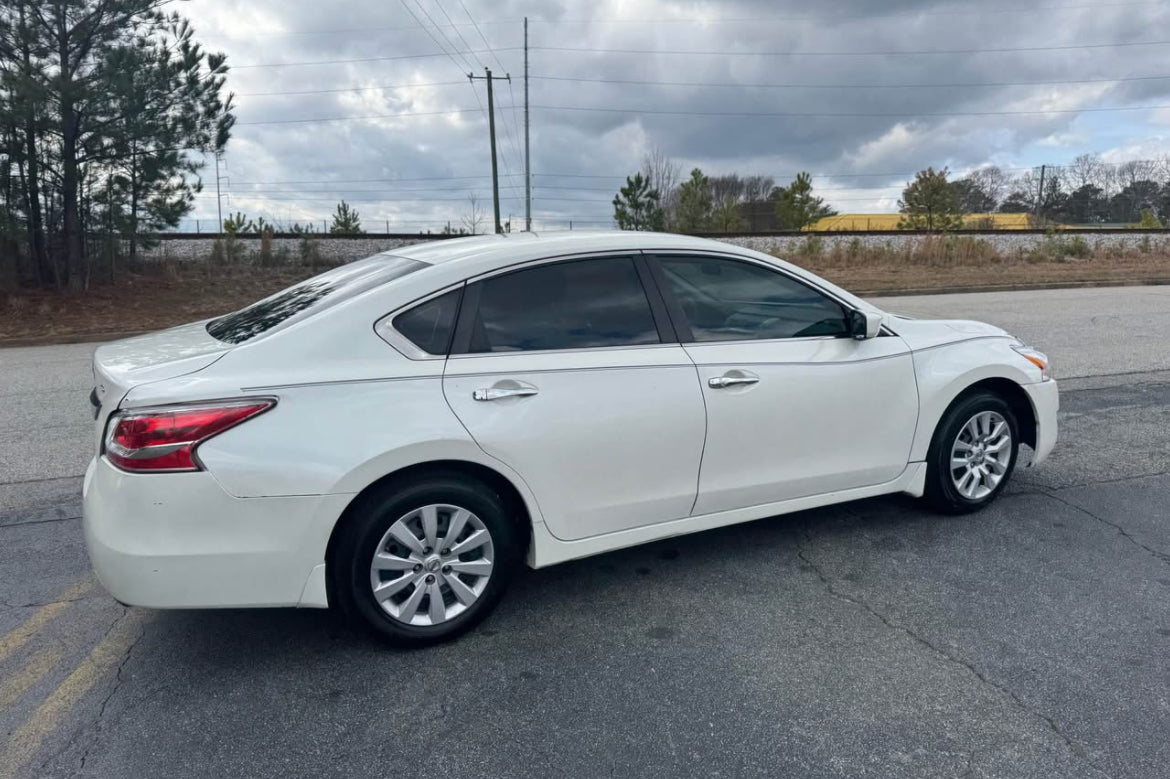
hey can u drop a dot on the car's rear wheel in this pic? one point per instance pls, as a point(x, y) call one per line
point(973, 454)
point(425, 562)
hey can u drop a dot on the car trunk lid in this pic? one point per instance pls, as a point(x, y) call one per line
point(120, 366)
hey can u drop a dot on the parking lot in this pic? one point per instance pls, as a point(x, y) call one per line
point(869, 639)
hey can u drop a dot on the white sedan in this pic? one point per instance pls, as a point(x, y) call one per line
point(398, 435)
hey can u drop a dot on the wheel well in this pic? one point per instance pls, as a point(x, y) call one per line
point(1014, 395)
point(461, 468)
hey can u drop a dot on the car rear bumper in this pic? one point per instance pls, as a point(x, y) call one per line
point(177, 540)
point(1045, 397)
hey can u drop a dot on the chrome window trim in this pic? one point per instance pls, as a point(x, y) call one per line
point(384, 327)
point(579, 256)
point(766, 266)
point(755, 261)
point(582, 350)
point(525, 264)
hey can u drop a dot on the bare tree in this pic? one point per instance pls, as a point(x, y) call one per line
point(992, 181)
point(1162, 169)
point(664, 174)
point(1084, 170)
point(727, 190)
point(475, 215)
point(756, 188)
point(1134, 171)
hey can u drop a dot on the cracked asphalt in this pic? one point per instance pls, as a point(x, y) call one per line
point(869, 639)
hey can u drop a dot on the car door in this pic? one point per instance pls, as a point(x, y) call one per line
point(569, 372)
point(795, 406)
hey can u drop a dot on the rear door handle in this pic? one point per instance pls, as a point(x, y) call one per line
point(732, 380)
point(496, 393)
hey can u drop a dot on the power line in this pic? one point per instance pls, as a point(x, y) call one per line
point(360, 59)
point(513, 136)
point(724, 84)
point(359, 118)
point(561, 175)
point(848, 114)
point(349, 89)
point(443, 48)
point(790, 85)
point(405, 4)
point(980, 11)
point(398, 199)
point(362, 181)
point(455, 29)
point(894, 53)
point(783, 176)
point(663, 112)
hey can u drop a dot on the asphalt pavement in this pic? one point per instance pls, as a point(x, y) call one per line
point(869, 639)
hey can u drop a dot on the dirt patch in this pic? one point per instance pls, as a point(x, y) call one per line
point(135, 303)
point(171, 294)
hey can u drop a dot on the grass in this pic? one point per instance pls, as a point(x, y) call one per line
point(162, 294)
point(957, 261)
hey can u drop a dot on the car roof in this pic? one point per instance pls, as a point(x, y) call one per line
point(482, 250)
point(456, 259)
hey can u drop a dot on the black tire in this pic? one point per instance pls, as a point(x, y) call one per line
point(367, 523)
point(941, 491)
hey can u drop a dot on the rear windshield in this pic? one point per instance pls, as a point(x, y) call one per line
point(310, 296)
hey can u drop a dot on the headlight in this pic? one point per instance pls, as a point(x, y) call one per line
point(1037, 358)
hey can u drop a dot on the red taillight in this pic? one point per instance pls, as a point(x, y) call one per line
point(164, 439)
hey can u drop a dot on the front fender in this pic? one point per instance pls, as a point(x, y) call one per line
point(945, 372)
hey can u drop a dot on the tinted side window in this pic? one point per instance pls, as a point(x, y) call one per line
point(429, 325)
point(728, 300)
point(564, 305)
point(316, 293)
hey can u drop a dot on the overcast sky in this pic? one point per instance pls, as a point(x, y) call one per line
point(831, 58)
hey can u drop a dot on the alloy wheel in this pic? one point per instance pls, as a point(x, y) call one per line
point(432, 564)
point(981, 454)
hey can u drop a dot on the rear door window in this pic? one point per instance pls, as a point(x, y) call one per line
point(310, 296)
point(578, 304)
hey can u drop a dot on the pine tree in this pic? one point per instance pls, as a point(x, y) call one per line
point(346, 221)
point(637, 205)
point(109, 100)
point(930, 202)
point(693, 210)
point(797, 207)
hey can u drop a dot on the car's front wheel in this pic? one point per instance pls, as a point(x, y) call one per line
point(425, 562)
point(973, 453)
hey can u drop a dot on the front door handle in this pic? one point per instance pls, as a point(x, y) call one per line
point(732, 380)
point(495, 393)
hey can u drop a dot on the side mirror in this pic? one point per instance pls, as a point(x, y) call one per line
point(864, 324)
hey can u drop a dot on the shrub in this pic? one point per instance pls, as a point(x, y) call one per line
point(811, 246)
point(309, 251)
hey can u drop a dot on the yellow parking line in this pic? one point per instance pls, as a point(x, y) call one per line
point(15, 686)
point(25, 742)
point(21, 634)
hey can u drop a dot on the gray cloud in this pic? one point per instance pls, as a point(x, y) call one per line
point(343, 155)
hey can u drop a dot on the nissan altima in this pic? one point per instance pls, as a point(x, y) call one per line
point(397, 436)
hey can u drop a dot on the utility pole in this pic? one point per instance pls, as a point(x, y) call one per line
point(1040, 195)
point(527, 154)
point(492, 132)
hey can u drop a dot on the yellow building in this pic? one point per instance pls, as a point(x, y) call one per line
point(890, 222)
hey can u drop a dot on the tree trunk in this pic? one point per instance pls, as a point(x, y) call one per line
point(133, 202)
point(38, 252)
point(70, 210)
